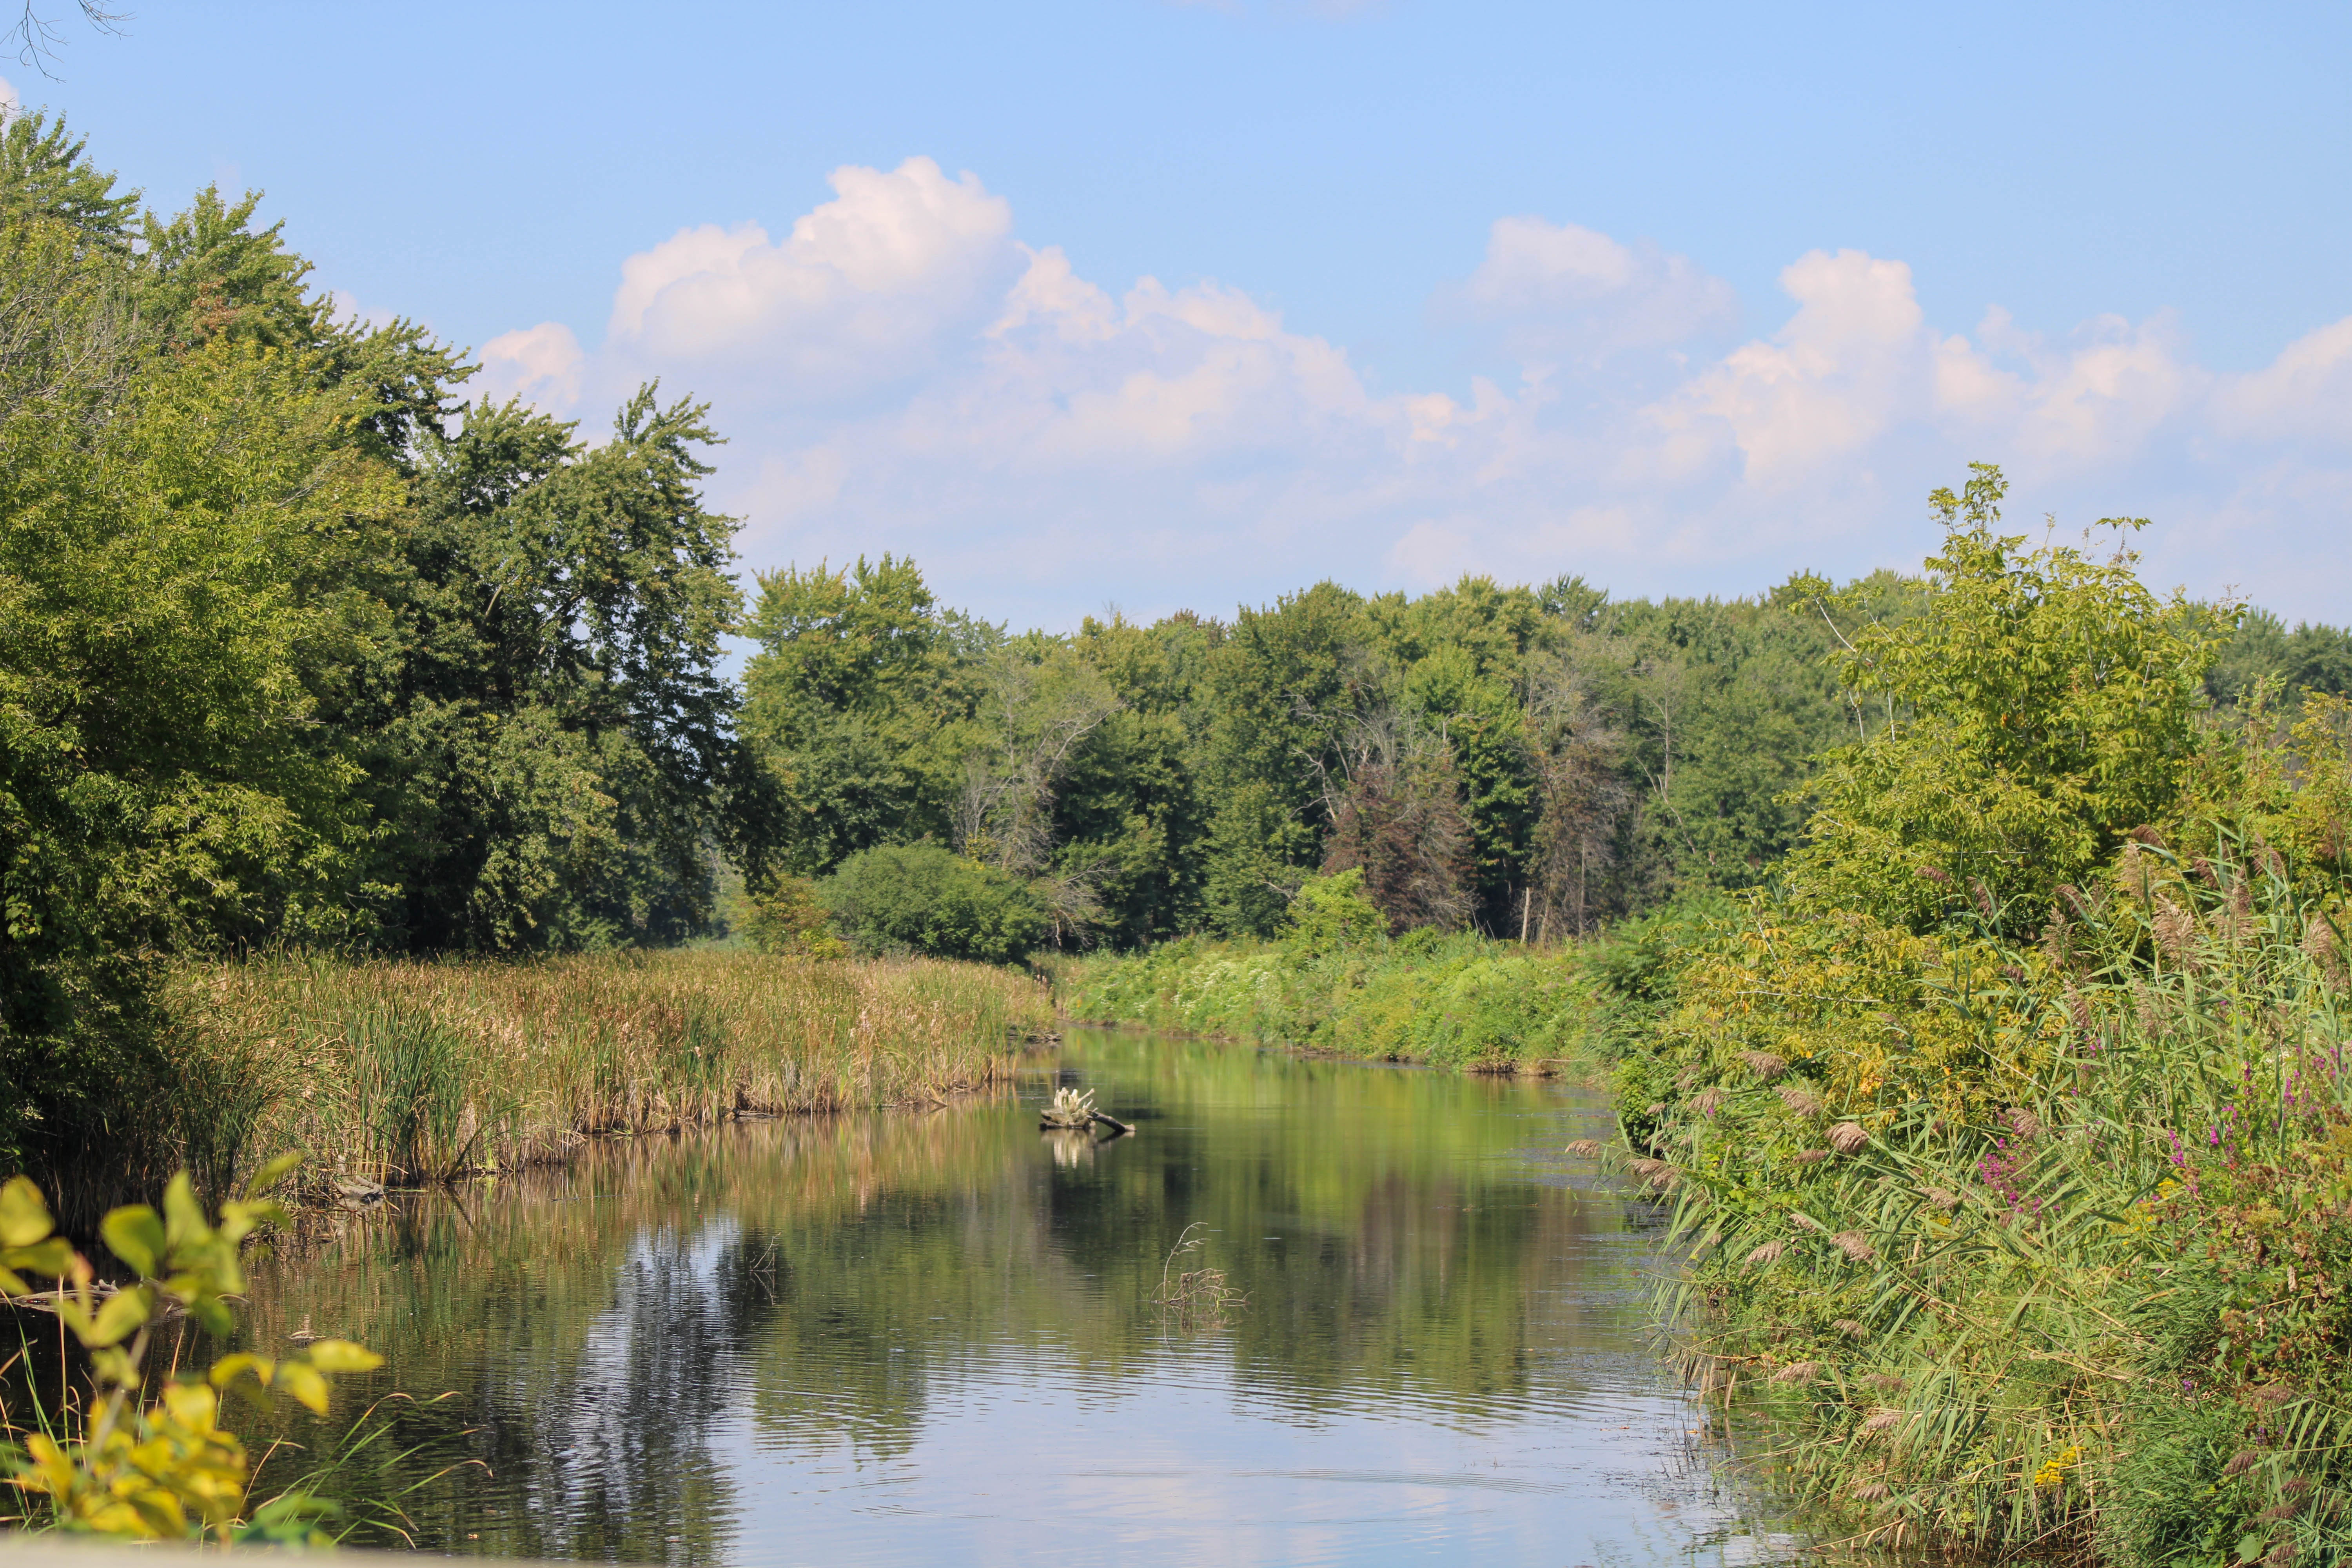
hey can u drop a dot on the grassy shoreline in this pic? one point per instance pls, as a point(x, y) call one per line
point(1464, 1001)
point(395, 1071)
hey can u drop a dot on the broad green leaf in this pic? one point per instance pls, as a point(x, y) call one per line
point(243, 1364)
point(52, 1257)
point(11, 1285)
point(24, 1217)
point(302, 1381)
point(184, 1217)
point(120, 1318)
point(343, 1355)
point(135, 1234)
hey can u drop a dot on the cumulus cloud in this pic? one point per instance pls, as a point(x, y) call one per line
point(1561, 290)
point(2304, 394)
point(542, 365)
point(859, 293)
point(900, 372)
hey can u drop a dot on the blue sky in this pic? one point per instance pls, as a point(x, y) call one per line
point(1171, 305)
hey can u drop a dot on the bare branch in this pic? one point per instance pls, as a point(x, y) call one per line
point(38, 41)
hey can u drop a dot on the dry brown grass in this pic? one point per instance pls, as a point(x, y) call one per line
point(396, 1070)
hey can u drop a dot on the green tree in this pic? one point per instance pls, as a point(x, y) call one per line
point(858, 702)
point(554, 748)
point(46, 173)
point(2040, 706)
point(179, 538)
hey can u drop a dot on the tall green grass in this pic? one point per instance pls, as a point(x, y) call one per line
point(2044, 1251)
point(1462, 1001)
point(409, 1071)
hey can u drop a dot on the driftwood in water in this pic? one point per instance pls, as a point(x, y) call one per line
point(1072, 1110)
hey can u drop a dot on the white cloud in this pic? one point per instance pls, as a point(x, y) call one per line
point(1848, 364)
point(1561, 290)
point(542, 365)
point(2306, 393)
point(900, 373)
point(857, 293)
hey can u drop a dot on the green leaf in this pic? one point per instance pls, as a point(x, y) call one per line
point(24, 1217)
point(302, 1381)
point(135, 1234)
point(270, 1174)
point(184, 1217)
point(341, 1355)
point(245, 1376)
point(52, 1257)
point(123, 1314)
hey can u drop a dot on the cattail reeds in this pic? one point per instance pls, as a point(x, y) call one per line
point(417, 1071)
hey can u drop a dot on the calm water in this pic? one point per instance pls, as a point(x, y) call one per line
point(932, 1338)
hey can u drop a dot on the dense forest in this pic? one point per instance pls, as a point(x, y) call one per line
point(299, 647)
point(1523, 762)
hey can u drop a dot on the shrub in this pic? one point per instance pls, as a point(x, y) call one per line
point(921, 898)
point(788, 921)
point(146, 1457)
point(1332, 914)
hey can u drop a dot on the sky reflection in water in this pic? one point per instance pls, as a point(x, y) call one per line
point(918, 1338)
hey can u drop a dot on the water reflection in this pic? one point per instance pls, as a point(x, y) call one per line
point(919, 1339)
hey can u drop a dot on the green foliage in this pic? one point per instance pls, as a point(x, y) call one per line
point(1460, 1001)
point(160, 1466)
point(555, 742)
point(1331, 914)
point(284, 661)
point(925, 899)
point(2310, 659)
point(789, 921)
point(857, 701)
point(1488, 756)
point(2008, 1139)
point(2040, 706)
point(45, 174)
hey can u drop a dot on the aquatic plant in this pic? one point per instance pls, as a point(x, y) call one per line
point(1194, 1299)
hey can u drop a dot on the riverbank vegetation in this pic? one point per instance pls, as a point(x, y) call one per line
point(419, 1071)
point(1334, 980)
point(2007, 1131)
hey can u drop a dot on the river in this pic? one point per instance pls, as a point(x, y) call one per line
point(932, 1338)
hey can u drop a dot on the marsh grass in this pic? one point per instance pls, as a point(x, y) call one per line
point(2091, 1298)
point(414, 1072)
point(1462, 1001)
